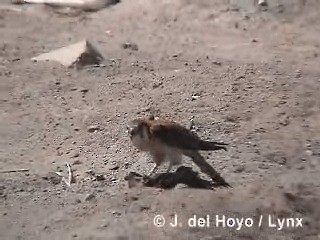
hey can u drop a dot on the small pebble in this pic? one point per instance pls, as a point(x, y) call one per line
point(100, 177)
point(116, 167)
point(309, 152)
point(84, 90)
point(75, 154)
point(93, 128)
point(77, 162)
point(89, 197)
point(239, 169)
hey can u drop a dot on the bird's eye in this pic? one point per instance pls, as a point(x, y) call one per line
point(131, 130)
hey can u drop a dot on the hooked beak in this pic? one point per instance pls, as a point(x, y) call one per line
point(130, 132)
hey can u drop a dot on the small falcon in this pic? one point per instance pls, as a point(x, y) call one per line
point(167, 141)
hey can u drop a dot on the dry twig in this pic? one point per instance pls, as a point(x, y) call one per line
point(15, 170)
point(70, 175)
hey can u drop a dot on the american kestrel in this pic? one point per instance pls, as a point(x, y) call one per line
point(167, 141)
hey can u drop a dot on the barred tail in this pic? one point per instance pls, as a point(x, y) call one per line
point(207, 146)
point(206, 168)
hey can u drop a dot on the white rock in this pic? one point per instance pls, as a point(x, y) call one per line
point(78, 55)
point(262, 3)
point(86, 5)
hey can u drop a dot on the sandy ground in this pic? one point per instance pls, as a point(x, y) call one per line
point(251, 79)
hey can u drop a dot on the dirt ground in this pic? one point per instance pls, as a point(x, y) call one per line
point(248, 78)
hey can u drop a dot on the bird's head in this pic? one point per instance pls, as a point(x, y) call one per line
point(139, 132)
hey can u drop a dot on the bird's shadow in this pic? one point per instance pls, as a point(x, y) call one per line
point(183, 175)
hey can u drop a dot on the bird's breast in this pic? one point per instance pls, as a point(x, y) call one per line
point(140, 143)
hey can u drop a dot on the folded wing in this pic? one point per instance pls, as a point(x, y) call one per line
point(177, 136)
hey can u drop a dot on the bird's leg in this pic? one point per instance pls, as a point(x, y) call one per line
point(153, 170)
point(157, 157)
point(170, 167)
